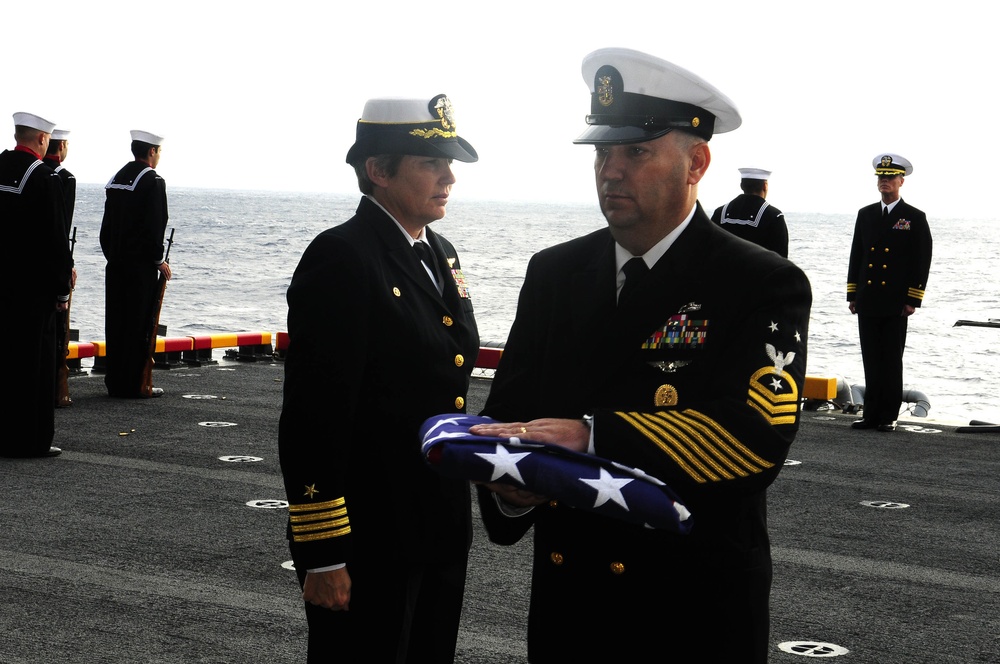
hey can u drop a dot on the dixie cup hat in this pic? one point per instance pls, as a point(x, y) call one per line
point(34, 121)
point(146, 137)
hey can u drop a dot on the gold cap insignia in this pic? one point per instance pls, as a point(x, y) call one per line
point(666, 395)
point(605, 91)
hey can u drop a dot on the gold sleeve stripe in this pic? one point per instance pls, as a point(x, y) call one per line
point(319, 516)
point(330, 534)
point(696, 439)
point(753, 458)
point(700, 447)
point(852, 288)
point(718, 443)
point(771, 419)
point(681, 457)
point(322, 525)
point(769, 416)
point(917, 293)
point(311, 507)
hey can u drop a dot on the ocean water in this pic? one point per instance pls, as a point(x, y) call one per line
point(234, 253)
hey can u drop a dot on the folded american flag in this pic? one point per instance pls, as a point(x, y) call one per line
point(579, 480)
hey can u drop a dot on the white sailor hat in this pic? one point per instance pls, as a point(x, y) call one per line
point(146, 137)
point(60, 134)
point(636, 97)
point(410, 127)
point(754, 174)
point(887, 163)
point(35, 122)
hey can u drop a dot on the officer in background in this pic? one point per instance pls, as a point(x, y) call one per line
point(631, 343)
point(887, 274)
point(54, 158)
point(35, 268)
point(751, 217)
point(135, 220)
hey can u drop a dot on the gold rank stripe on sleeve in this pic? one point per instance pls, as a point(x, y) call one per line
point(699, 445)
point(774, 395)
point(852, 288)
point(915, 293)
point(319, 521)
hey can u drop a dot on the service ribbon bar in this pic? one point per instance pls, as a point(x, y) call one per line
point(678, 332)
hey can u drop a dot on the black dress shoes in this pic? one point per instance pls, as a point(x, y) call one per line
point(18, 454)
point(886, 427)
point(863, 424)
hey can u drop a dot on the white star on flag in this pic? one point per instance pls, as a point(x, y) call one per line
point(608, 488)
point(504, 463)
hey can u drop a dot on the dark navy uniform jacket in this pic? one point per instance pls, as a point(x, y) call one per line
point(696, 380)
point(135, 216)
point(374, 350)
point(890, 260)
point(35, 253)
point(69, 190)
point(752, 218)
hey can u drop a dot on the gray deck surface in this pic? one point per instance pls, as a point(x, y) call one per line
point(137, 544)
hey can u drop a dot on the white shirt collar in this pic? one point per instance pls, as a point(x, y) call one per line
point(409, 238)
point(656, 251)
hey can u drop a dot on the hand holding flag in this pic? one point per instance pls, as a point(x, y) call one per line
point(582, 481)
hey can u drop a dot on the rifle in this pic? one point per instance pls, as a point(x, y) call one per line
point(62, 367)
point(146, 389)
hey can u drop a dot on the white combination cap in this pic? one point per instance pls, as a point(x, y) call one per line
point(887, 163)
point(754, 174)
point(418, 127)
point(34, 121)
point(146, 137)
point(636, 97)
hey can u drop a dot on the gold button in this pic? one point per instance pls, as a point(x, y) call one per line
point(617, 568)
point(886, 250)
point(885, 267)
point(448, 322)
point(870, 266)
point(869, 282)
point(553, 503)
point(459, 402)
point(459, 360)
point(883, 283)
point(395, 291)
point(556, 558)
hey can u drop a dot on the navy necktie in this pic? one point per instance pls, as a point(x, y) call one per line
point(635, 270)
point(885, 211)
point(426, 255)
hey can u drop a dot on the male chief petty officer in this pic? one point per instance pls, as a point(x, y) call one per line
point(887, 274)
point(135, 220)
point(36, 268)
point(381, 338)
point(691, 373)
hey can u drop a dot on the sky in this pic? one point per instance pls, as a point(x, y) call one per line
point(255, 95)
